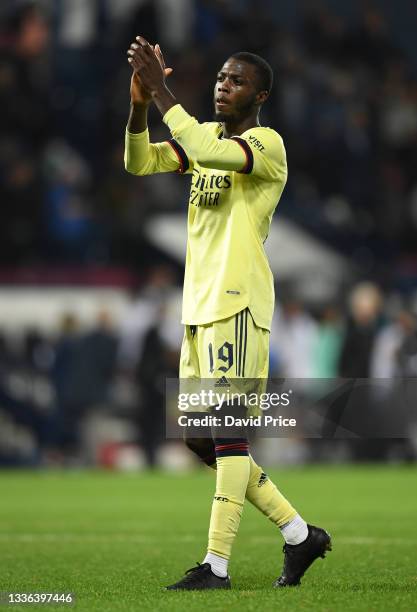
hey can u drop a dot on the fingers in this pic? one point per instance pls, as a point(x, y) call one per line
point(159, 55)
point(159, 51)
point(146, 47)
point(136, 57)
point(134, 63)
point(141, 52)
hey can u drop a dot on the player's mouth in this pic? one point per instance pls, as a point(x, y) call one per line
point(221, 102)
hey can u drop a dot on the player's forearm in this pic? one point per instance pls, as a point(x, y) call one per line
point(164, 99)
point(138, 158)
point(202, 145)
point(137, 139)
point(138, 118)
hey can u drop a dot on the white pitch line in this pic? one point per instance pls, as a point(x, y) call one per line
point(138, 538)
point(79, 537)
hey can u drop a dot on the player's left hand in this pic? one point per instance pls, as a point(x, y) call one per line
point(148, 64)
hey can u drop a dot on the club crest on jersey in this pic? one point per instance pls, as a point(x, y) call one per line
point(206, 188)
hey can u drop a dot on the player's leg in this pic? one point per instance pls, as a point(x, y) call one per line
point(201, 576)
point(303, 543)
point(266, 497)
point(218, 360)
point(233, 468)
point(261, 492)
point(232, 475)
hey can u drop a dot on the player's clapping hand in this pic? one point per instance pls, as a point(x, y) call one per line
point(149, 70)
point(138, 94)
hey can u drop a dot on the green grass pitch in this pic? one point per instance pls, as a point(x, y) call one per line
point(116, 539)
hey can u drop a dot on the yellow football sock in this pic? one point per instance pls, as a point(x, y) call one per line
point(264, 495)
point(231, 484)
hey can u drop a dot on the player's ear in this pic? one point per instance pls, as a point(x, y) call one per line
point(262, 96)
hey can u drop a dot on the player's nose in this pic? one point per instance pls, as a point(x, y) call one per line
point(223, 87)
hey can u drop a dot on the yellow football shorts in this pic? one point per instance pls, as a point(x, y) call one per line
point(230, 355)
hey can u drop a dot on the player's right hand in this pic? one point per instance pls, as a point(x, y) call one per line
point(138, 93)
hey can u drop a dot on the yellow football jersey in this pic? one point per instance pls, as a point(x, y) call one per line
point(236, 185)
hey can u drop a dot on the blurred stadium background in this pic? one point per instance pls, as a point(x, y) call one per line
point(91, 259)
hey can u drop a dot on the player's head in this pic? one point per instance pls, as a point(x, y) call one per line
point(242, 86)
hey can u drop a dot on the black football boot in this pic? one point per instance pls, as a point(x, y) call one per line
point(199, 578)
point(299, 557)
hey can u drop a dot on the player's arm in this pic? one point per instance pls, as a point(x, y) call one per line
point(258, 151)
point(141, 156)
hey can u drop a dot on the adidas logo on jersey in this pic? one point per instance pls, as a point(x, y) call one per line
point(222, 382)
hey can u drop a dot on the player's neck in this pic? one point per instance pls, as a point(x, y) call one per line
point(236, 128)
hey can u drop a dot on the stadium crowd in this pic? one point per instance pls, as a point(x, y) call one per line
point(344, 99)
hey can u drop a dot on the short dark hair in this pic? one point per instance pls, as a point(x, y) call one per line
point(263, 69)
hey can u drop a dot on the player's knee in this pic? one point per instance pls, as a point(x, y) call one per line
point(203, 448)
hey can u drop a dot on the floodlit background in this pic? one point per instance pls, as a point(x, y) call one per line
point(91, 258)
